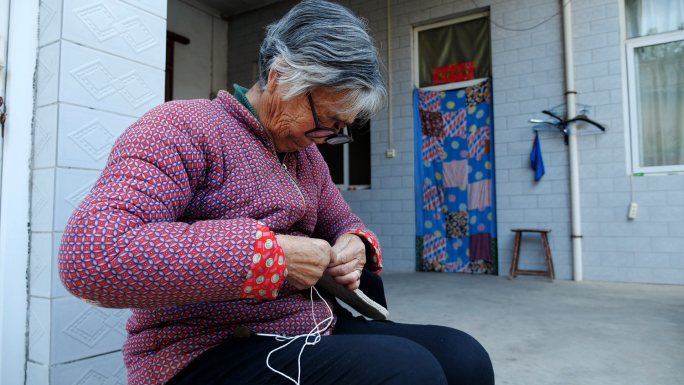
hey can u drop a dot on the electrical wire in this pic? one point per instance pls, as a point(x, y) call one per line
point(524, 29)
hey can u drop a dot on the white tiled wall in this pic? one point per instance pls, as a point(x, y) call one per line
point(117, 28)
point(48, 74)
point(155, 7)
point(40, 265)
point(100, 67)
point(42, 199)
point(71, 186)
point(45, 136)
point(105, 82)
point(37, 374)
point(50, 23)
point(75, 330)
point(39, 330)
point(57, 290)
point(43, 272)
point(104, 369)
point(86, 136)
point(528, 73)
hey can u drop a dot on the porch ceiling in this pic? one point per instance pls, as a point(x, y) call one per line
point(234, 7)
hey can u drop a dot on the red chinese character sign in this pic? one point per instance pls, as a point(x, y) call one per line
point(453, 73)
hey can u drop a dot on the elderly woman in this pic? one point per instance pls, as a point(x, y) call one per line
point(211, 219)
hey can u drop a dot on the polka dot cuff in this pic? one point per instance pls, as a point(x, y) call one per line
point(375, 262)
point(267, 271)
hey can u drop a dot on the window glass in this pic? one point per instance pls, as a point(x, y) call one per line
point(455, 45)
point(660, 97)
point(359, 156)
point(334, 157)
point(358, 161)
point(650, 17)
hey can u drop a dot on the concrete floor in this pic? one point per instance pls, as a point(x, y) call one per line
point(564, 332)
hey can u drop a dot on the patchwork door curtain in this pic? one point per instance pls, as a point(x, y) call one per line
point(455, 213)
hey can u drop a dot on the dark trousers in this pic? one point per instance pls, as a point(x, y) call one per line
point(358, 352)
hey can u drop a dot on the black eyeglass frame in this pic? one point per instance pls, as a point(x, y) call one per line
point(333, 138)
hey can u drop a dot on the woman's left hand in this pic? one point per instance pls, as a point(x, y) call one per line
point(351, 257)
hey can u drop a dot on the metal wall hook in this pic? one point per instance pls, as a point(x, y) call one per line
point(561, 124)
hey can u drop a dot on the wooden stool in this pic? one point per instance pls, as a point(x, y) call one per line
point(547, 252)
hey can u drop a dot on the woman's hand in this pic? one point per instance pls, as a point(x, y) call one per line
point(350, 257)
point(306, 259)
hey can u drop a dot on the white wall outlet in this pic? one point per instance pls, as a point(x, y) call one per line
point(632, 211)
point(391, 153)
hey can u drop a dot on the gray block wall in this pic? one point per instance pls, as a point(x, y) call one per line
point(528, 76)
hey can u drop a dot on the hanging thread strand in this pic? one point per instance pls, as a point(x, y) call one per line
point(315, 332)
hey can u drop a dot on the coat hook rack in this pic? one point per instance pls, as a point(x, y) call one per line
point(560, 124)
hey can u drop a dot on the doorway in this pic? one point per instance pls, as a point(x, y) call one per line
point(197, 51)
point(453, 125)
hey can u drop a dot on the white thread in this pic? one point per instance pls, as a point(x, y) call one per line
point(316, 332)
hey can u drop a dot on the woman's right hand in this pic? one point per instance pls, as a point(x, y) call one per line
point(306, 259)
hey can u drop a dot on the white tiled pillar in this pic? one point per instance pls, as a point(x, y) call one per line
point(100, 67)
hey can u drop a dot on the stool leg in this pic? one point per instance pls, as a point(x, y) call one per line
point(549, 258)
point(516, 255)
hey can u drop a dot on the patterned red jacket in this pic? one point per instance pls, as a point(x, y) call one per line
point(181, 227)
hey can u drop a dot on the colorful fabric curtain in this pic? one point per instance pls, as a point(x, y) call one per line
point(455, 213)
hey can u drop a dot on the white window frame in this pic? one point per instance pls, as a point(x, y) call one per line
point(416, 62)
point(630, 47)
point(629, 96)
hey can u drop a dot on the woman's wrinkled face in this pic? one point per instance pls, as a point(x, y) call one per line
point(287, 121)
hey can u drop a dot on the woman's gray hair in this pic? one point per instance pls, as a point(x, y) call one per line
point(319, 44)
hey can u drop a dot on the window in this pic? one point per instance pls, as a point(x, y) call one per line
point(655, 84)
point(452, 54)
point(350, 163)
point(650, 17)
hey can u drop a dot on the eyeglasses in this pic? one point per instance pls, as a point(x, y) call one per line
point(331, 134)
